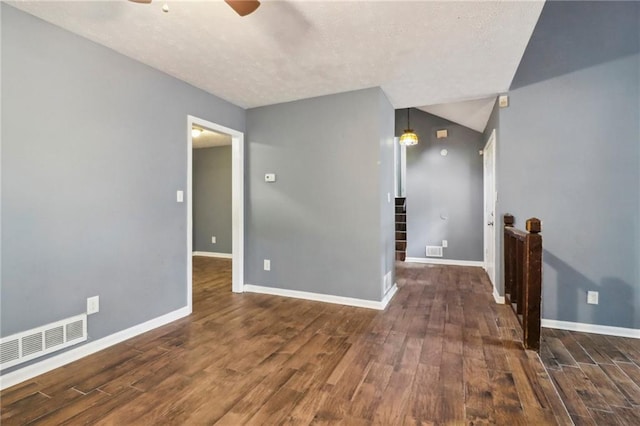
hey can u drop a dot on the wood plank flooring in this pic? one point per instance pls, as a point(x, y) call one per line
point(442, 353)
point(597, 376)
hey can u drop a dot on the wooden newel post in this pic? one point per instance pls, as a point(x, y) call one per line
point(534, 226)
point(508, 219)
point(533, 284)
point(509, 269)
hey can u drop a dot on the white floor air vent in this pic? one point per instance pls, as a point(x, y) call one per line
point(434, 251)
point(39, 341)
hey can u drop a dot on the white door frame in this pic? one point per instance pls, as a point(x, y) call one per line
point(399, 168)
point(237, 204)
point(490, 149)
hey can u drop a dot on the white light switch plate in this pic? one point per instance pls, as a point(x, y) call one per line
point(445, 243)
point(93, 305)
point(267, 265)
point(180, 196)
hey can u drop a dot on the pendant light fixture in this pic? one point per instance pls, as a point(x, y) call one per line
point(409, 137)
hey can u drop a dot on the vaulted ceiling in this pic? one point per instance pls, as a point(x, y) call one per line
point(421, 53)
point(473, 114)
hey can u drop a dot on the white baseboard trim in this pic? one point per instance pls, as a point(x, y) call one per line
point(435, 261)
point(389, 295)
point(499, 299)
point(592, 328)
point(327, 298)
point(213, 254)
point(30, 371)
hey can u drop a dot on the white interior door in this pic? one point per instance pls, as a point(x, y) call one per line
point(489, 156)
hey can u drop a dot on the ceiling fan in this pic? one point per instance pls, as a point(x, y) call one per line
point(241, 7)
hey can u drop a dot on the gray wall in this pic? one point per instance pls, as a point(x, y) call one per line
point(94, 147)
point(569, 153)
point(212, 199)
point(443, 187)
point(320, 222)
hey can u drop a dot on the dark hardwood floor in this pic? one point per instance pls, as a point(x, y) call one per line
point(598, 376)
point(442, 353)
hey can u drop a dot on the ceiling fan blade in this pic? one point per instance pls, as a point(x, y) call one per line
point(141, 1)
point(243, 7)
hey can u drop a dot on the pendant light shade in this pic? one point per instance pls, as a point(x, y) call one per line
point(409, 137)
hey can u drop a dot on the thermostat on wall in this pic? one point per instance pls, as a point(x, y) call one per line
point(270, 177)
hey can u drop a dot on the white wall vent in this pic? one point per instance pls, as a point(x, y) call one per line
point(434, 251)
point(34, 343)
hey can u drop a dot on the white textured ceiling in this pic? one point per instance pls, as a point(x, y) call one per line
point(210, 139)
point(474, 114)
point(419, 52)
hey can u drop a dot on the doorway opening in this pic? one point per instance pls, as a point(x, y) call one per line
point(219, 134)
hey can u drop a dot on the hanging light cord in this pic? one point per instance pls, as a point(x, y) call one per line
point(408, 137)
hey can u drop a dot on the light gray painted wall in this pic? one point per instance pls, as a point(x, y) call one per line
point(320, 222)
point(444, 194)
point(94, 147)
point(1, 9)
point(212, 199)
point(569, 154)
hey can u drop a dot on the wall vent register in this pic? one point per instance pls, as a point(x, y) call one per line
point(434, 251)
point(34, 343)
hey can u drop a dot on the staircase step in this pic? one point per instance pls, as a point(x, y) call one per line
point(401, 229)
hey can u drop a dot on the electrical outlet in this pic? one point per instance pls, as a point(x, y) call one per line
point(93, 305)
point(180, 196)
point(592, 297)
point(267, 265)
point(445, 243)
point(213, 240)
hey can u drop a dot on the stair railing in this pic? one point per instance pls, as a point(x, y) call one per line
point(523, 276)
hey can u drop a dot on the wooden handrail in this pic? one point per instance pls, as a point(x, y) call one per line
point(523, 276)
